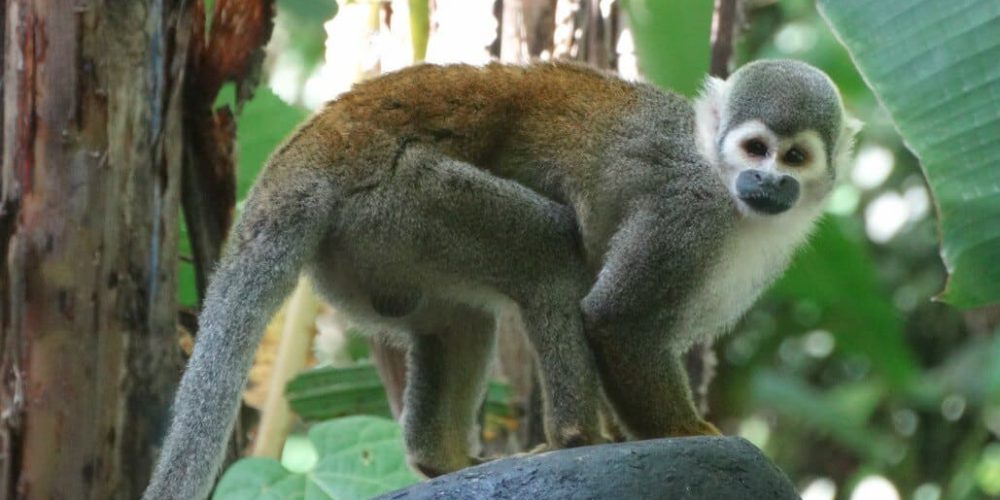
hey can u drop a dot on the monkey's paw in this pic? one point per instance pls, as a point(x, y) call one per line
point(430, 471)
point(540, 448)
point(707, 429)
point(698, 428)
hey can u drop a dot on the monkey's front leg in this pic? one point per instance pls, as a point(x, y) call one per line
point(647, 386)
point(568, 377)
point(657, 255)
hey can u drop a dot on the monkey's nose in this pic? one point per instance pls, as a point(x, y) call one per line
point(766, 192)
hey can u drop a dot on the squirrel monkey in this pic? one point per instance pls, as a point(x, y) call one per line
point(624, 222)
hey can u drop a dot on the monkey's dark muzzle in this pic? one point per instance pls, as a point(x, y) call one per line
point(766, 192)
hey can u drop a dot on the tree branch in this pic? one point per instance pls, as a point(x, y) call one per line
point(723, 29)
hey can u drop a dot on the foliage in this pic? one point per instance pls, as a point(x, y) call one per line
point(264, 123)
point(852, 302)
point(358, 457)
point(307, 18)
point(939, 80)
point(329, 392)
point(682, 27)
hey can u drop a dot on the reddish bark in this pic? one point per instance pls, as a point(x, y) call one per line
point(230, 51)
point(91, 165)
point(93, 147)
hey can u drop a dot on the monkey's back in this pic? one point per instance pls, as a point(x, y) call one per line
point(544, 125)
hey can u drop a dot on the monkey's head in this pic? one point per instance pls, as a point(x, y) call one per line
point(777, 133)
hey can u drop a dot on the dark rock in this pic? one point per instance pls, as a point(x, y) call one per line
point(696, 468)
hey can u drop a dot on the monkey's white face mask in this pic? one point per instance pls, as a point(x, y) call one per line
point(768, 173)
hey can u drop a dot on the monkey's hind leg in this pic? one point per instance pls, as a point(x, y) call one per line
point(461, 234)
point(446, 381)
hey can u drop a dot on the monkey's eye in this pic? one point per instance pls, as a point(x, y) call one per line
point(794, 157)
point(755, 147)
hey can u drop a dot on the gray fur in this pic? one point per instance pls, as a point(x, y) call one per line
point(611, 238)
point(788, 97)
point(259, 270)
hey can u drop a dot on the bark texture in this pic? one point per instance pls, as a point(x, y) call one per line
point(88, 235)
point(105, 104)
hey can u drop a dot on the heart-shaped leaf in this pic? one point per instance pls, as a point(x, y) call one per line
point(359, 457)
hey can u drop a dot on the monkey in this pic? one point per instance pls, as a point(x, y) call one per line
point(623, 221)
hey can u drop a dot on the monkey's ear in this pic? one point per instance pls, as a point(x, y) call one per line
point(708, 108)
point(844, 148)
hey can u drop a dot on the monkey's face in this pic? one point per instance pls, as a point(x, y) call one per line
point(769, 173)
point(777, 133)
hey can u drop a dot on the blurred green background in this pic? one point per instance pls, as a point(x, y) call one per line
point(847, 373)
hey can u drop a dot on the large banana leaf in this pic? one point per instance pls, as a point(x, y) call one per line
point(935, 65)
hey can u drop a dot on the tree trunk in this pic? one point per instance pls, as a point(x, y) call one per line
point(92, 152)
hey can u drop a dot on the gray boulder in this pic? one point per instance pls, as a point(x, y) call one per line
point(696, 468)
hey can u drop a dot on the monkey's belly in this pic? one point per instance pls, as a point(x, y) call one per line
point(375, 305)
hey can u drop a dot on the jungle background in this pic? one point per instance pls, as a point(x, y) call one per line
point(851, 373)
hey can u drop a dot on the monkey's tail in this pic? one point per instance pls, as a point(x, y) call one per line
point(284, 218)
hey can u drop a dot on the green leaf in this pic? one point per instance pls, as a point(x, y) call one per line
point(263, 124)
point(934, 65)
point(329, 392)
point(672, 41)
point(260, 478)
point(359, 457)
point(835, 275)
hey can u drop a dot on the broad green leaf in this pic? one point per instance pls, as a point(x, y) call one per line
point(260, 478)
point(330, 392)
point(672, 41)
point(359, 457)
point(835, 275)
point(935, 65)
point(264, 122)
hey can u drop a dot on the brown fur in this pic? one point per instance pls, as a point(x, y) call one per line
point(491, 117)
